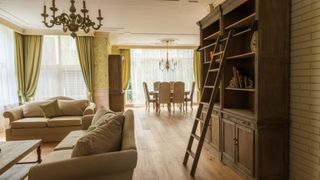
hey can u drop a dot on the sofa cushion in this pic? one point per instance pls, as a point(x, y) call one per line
point(105, 119)
point(57, 156)
point(73, 107)
point(35, 122)
point(65, 121)
point(32, 109)
point(51, 109)
point(105, 138)
point(100, 112)
point(70, 140)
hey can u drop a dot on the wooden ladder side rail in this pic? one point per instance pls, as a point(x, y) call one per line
point(213, 97)
point(195, 124)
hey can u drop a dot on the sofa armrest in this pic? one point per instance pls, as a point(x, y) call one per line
point(86, 121)
point(87, 167)
point(14, 114)
point(89, 109)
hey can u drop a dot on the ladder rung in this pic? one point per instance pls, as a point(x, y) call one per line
point(218, 60)
point(204, 103)
point(192, 154)
point(214, 70)
point(195, 136)
point(202, 121)
point(218, 53)
point(209, 87)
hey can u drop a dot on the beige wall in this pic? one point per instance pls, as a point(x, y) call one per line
point(305, 90)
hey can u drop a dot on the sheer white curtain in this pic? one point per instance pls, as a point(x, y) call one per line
point(8, 85)
point(60, 72)
point(145, 67)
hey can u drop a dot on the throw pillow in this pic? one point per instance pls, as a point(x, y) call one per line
point(32, 109)
point(51, 109)
point(73, 107)
point(105, 138)
point(100, 112)
point(105, 119)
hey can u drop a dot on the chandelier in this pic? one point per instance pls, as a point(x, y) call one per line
point(166, 64)
point(72, 22)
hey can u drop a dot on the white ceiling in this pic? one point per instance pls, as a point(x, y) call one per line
point(130, 22)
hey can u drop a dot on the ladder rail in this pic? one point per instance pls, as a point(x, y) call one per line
point(195, 124)
point(211, 103)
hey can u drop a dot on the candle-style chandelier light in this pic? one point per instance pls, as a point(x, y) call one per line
point(167, 64)
point(72, 22)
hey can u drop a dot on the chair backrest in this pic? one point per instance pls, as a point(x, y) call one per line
point(146, 92)
point(178, 92)
point(164, 92)
point(156, 86)
point(171, 85)
point(192, 89)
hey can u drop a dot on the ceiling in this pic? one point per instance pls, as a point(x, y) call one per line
point(130, 22)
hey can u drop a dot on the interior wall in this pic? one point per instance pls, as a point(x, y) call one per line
point(102, 49)
point(305, 90)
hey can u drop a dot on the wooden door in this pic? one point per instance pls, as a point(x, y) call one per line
point(215, 131)
point(116, 94)
point(228, 140)
point(245, 149)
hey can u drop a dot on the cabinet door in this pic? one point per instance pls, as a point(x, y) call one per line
point(215, 126)
point(208, 135)
point(245, 149)
point(228, 139)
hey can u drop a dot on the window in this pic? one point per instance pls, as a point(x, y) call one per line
point(60, 72)
point(145, 67)
point(8, 85)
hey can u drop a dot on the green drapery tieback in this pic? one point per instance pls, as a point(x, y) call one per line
point(85, 53)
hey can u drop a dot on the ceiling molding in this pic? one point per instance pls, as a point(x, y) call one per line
point(152, 47)
point(11, 25)
point(54, 32)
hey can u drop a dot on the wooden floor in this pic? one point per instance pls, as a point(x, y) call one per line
point(161, 141)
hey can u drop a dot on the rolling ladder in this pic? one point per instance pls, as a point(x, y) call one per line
point(213, 91)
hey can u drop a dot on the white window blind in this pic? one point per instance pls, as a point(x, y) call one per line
point(60, 73)
point(8, 85)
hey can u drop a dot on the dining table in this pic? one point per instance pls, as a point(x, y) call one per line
point(156, 94)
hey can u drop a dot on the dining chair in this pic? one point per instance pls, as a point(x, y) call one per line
point(190, 97)
point(178, 95)
point(171, 85)
point(156, 86)
point(147, 97)
point(164, 96)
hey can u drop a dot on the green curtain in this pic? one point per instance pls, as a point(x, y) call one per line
point(85, 53)
point(28, 62)
point(196, 71)
point(126, 67)
point(19, 63)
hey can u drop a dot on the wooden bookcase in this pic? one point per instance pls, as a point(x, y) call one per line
point(249, 124)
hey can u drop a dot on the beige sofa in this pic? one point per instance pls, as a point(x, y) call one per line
point(27, 121)
point(117, 165)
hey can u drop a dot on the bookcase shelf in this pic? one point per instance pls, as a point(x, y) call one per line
point(240, 89)
point(245, 22)
point(213, 36)
point(242, 56)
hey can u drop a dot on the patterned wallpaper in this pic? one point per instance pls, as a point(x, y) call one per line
point(101, 49)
